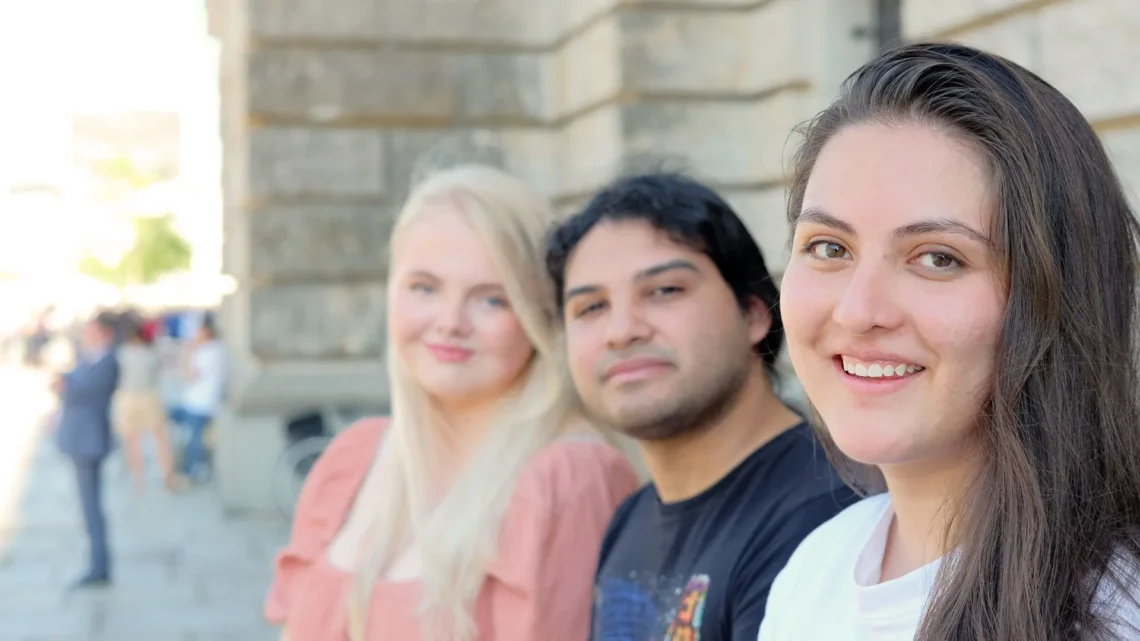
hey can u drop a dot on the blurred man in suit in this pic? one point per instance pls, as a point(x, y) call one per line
point(84, 433)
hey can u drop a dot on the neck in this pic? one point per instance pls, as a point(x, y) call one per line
point(925, 496)
point(465, 423)
point(685, 465)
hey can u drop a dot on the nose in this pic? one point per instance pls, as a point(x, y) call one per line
point(625, 327)
point(453, 319)
point(868, 301)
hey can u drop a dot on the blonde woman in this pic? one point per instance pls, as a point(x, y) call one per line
point(476, 513)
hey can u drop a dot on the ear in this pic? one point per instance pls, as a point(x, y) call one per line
point(759, 320)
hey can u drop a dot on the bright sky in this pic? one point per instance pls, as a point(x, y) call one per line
point(56, 55)
point(93, 53)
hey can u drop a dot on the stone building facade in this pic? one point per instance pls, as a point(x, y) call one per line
point(332, 108)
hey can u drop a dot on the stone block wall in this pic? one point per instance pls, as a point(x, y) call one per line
point(332, 108)
point(1087, 49)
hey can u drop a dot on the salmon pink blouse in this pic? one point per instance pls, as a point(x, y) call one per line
point(539, 589)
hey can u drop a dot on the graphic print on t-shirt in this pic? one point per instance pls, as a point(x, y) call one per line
point(650, 608)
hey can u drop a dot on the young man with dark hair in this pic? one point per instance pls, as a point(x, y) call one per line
point(672, 330)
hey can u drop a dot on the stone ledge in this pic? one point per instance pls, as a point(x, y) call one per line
point(1092, 54)
point(298, 162)
point(329, 18)
point(528, 152)
point(350, 85)
point(288, 322)
point(319, 241)
point(711, 52)
point(587, 68)
point(924, 19)
point(1080, 48)
point(286, 387)
point(590, 153)
point(730, 142)
point(523, 22)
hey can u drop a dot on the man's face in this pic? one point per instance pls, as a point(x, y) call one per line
point(657, 342)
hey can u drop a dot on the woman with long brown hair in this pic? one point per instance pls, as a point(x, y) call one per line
point(961, 309)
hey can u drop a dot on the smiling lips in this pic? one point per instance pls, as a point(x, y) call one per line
point(879, 369)
point(450, 353)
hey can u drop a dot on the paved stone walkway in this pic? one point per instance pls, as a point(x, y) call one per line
point(182, 570)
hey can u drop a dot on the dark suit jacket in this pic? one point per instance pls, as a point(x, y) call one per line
point(85, 419)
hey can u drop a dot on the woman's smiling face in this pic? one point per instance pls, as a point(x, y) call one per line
point(893, 298)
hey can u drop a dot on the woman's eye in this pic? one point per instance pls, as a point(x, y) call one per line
point(938, 261)
point(495, 301)
point(422, 288)
point(827, 250)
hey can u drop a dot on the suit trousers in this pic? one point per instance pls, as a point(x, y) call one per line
point(89, 474)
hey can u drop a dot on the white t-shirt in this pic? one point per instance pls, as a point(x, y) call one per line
point(830, 587)
point(204, 394)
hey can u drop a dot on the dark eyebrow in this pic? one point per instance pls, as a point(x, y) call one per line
point(932, 226)
point(942, 226)
point(679, 263)
point(821, 217)
point(649, 272)
point(580, 291)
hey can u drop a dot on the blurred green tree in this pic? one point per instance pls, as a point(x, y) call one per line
point(158, 250)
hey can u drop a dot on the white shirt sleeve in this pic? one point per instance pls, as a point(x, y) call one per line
point(781, 604)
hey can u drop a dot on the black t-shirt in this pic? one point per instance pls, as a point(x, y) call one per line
point(700, 569)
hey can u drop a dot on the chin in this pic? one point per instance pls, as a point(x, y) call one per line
point(872, 442)
point(444, 388)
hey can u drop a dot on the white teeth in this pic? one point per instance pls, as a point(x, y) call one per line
point(878, 370)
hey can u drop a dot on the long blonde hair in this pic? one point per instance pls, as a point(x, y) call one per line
point(456, 534)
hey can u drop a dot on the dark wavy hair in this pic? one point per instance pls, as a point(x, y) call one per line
point(691, 214)
point(1056, 504)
